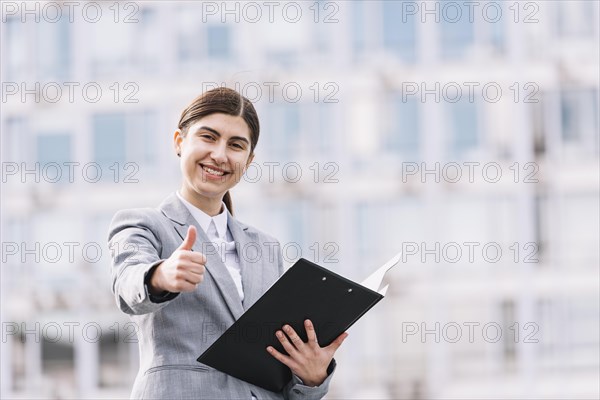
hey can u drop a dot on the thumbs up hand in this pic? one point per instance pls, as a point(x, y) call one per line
point(189, 240)
point(182, 271)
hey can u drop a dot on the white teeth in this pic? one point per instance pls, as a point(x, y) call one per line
point(212, 171)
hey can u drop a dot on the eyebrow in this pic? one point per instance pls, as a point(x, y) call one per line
point(219, 135)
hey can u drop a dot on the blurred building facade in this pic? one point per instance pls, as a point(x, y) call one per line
point(360, 146)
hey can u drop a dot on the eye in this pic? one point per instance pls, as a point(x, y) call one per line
point(238, 146)
point(207, 136)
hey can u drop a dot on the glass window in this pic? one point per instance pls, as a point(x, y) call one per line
point(14, 139)
point(570, 122)
point(58, 359)
point(126, 138)
point(53, 51)
point(583, 331)
point(15, 230)
point(596, 113)
point(112, 46)
point(548, 316)
point(468, 359)
point(365, 214)
point(146, 50)
point(109, 140)
point(403, 136)
point(218, 41)
point(579, 126)
point(291, 122)
point(56, 266)
point(496, 29)
point(456, 30)
point(319, 126)
point(16, 49)
point(323, 34)
point(283, 125)
point(403, 223)
point(189, 46)
point(467, 218)
point(326, 120)
point(54, 148)
point(576, 18)
point(463, 123)
point(121, 47)
point(399, 31)
point(296, 217)
point(95, 232)
point(115, 359)
point(142, 135)
point(358, 26)
point(580, 231)
point(287, 222)
point(541, 226)
point(508, 312)
point(568, 333)
point(282, 43)
point(200, 42)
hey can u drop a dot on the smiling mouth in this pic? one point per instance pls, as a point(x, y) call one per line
point(214, 170)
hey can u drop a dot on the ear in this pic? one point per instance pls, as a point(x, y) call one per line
point(177, 140)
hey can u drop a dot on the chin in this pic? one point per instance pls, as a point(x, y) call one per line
point(206, 192)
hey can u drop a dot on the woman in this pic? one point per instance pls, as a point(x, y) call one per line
point(176, 269)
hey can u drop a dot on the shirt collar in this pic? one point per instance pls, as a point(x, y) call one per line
point(204, 219)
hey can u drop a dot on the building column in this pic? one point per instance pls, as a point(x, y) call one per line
point(87, 360)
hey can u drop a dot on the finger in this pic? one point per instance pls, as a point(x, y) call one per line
point(191, 259)
point(294, 338)
point(287, 360)
point(197, 257)
point(187, 267)
point(194, 279)
point(337, 342)
point(196, 269)
point(190, 266)
point(310, 332)
point(190, 238)
point(287, 345)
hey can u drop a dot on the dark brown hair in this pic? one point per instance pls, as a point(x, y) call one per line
point(224, 101)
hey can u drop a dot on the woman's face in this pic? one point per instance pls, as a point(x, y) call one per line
point(215, 153)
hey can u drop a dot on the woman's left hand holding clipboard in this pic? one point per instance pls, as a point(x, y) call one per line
point(307, 360)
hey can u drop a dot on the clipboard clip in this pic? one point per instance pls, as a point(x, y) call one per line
point(374, 280)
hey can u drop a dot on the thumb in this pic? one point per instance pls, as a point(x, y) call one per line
point(338, 341)
point(190, 239)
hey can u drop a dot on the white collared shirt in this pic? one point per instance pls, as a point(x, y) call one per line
point(218, 233)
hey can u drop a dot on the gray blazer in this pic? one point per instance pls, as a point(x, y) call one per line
point(174, 330)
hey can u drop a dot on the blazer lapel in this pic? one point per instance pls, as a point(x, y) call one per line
point(251, 254)
point(175, 210)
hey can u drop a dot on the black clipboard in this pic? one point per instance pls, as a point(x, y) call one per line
point(305, 291)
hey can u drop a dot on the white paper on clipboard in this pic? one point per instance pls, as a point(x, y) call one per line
point(374, 280)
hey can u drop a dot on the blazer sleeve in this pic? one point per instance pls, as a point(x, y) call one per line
point(297, 390)
point(135, 245)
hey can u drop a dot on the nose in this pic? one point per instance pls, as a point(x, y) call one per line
point(219, 154)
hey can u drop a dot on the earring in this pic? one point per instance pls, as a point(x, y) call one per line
point(178, 154)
